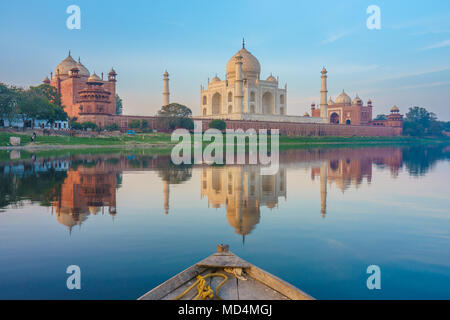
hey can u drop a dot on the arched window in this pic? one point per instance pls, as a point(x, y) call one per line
point(268, 105)
point(204, 100)
point(334, 119)
point(348, 122)
point(216, 103)
point(282, 99)
point(252, 96)
point(230, 97)
point(252, 108)
point(230, 109)
point(204, 111)
point(282, 110)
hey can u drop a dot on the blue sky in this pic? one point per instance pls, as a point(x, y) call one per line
point(406, 63)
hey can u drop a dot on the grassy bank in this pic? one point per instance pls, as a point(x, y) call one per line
point(122, 140)
point(162, 140)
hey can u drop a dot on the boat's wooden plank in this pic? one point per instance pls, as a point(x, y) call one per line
point(228, 291)
point(223, 260)
point(191, 294)
point(251, 289)
point(173, 283)
point(277, 284)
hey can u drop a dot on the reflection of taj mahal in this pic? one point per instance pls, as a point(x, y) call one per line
point(242, 190)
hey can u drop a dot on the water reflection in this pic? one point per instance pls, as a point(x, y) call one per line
point(78, 186)
point(242, 190)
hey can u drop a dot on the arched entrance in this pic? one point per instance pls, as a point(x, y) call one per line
point(334, 119)
point(348, 122)
point(216, 103)
point(268, 103)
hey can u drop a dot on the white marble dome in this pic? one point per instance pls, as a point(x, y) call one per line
point(250, 65)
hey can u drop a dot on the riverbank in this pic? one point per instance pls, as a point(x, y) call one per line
point(163, 141)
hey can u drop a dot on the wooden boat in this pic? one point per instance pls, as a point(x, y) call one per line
point(223, 275)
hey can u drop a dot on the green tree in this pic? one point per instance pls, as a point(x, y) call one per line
point(49, 92)
point(76, 125)
point(119, 105)
point(8, 103)
point(218, 124)
point(420, 122)
point(112, 127)
point(175, 115)
point(134, 124)
point(144, 124)
point(381, 117)
point(89, 125)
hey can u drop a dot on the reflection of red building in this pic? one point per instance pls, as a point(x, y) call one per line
point(86, 191)
point(352, 170)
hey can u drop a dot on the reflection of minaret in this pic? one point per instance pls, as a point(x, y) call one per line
point(323, 189)
point(166, 196)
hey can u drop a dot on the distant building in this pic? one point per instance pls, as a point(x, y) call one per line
point(243, 95)
point(395, 119)
point(346, 111)
point(38, 123)
point(83, 93)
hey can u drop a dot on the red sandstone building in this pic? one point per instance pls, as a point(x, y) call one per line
point(83, 94)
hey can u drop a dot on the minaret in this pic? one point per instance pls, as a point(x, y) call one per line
point(323, 189)
point(166, 196)
point(239, 93)
point(166, 89)
point(323, 96)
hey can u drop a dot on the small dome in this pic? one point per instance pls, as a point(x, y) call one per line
point(357, 101)
point(46, 80)
point(215, 79)
point(271, 78)
point(64, 66)
point(313, 105)
point(343, 98)
point(250, 65)
point(94, 209)
point(395, 109)
point(94, 78)
point(330, 101)
point(306, 114)
point(369, 102)
point(324, 71)
point(112, 72)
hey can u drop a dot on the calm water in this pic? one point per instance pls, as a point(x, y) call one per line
point(131, 221)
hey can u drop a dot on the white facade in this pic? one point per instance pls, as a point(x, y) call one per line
point(262, 100)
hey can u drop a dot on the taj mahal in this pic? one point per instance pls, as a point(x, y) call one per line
point(243, 95)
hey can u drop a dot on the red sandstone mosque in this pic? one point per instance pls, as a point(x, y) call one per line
point(243, 100)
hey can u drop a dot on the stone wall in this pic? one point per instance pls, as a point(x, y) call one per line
point(285, 128)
